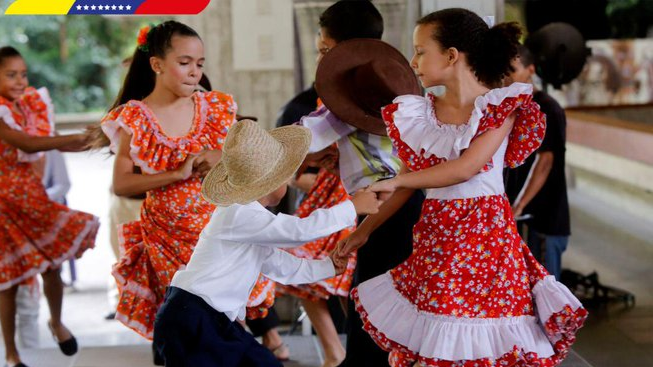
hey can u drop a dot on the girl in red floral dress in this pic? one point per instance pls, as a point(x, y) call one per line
point(166, 136)
point(37, 234)
point(471, 293)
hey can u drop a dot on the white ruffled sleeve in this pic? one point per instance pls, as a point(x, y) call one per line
point(45, 96)
point(41, 121)
point(422, 141)
point(419, 129)
point(8, 118)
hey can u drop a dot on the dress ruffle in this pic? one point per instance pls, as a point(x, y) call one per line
point(441, 340)
point(152, 150)
point(144, 271)
point(38, 120)
point(423, 141)
point(38, 234)
point(261, 298)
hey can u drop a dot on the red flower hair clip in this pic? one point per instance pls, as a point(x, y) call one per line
point(142, 38)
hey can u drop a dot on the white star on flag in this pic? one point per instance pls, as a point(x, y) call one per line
point(92, 7)
point(120, 7)
point(100, 7)
point(85, 7)
point(79, 7)
point(129, 7)
point(113, 7)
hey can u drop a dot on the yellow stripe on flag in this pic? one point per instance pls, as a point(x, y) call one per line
point(39, 7)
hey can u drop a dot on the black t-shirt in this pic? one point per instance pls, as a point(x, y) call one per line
point(550, 207)
point(298, 107)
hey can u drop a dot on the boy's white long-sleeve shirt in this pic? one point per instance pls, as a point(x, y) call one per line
point(242, 241)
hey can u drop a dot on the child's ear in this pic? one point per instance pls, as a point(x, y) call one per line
point(155, 64)
point(531, 69)
point(453, 55)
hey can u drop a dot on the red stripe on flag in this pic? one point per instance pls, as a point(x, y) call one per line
point(172, 7)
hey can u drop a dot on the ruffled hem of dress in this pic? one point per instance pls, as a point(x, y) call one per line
point(84, 240)
point(135, 297)
point(136, 303)
point(467, 339)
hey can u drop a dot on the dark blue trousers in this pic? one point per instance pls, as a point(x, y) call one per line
point(189, 332)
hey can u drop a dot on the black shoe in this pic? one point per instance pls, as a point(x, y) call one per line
point(67, 347)
point(110, 316)
point(20, 364)
point(157, 357)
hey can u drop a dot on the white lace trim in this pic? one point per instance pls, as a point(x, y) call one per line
point(419, 129)
point(45, 96)
point(448, 337)
point(112, 130)
point(8, 118)
point(551, 297)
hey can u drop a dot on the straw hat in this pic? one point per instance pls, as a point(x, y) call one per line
point(255, 162)
point(359, 76)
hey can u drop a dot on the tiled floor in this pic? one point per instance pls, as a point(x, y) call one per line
point(619, 247)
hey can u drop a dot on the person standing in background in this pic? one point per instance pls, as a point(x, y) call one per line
point(544, 194)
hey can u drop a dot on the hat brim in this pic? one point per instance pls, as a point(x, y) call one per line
point(217, 189)
point(333, 75)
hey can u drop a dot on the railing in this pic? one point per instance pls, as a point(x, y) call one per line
point(74, 121)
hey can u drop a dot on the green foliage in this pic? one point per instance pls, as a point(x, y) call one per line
point(78, 58)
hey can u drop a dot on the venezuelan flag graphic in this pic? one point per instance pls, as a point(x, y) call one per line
point(109, 7)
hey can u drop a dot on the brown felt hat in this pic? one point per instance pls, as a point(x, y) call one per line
point(359, 76)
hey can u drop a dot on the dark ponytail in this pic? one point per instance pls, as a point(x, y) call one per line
point(7, 52)
point(140, 78)
point(497, 51)
point(489, 51)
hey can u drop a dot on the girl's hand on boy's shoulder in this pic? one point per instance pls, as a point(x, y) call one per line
point(212, 157)
point(201, 168)
point(186, 169)
point(205, 161)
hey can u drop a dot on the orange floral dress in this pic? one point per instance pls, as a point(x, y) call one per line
point(172, 217)
point(37, 234)
point(325, 193)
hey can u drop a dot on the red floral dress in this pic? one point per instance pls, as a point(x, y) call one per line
point(325, 193)
point(471, 293)
point(172, 216)
point(37, 234)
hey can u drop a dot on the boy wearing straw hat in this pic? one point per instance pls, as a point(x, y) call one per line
point(196, 326)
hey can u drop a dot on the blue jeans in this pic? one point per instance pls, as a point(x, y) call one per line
point(548, 250)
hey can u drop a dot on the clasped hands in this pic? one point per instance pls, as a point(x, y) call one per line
point(340, 255)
